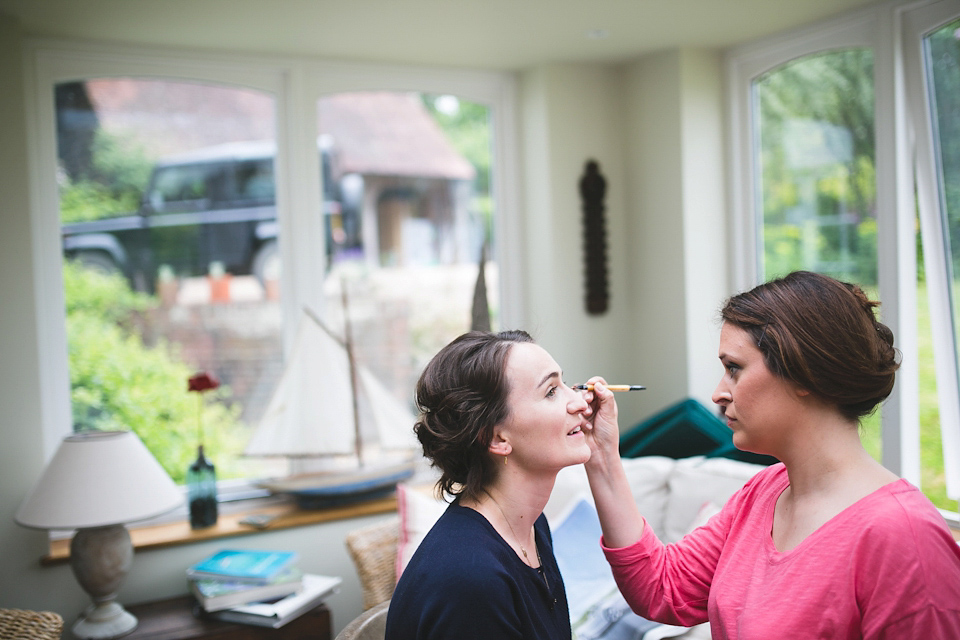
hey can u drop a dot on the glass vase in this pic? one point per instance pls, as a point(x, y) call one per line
point(202, 492)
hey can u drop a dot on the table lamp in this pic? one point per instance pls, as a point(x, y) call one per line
point(96, 482)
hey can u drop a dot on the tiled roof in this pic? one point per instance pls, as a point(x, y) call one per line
point(373, 133)
point(385, 133)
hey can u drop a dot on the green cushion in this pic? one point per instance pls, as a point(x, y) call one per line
point(682, 430)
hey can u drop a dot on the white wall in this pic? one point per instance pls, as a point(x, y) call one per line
point(653, 148)
point(655, 126)
point(21, 456)
point(706, 282)
point(572, 114)
point(677, 239)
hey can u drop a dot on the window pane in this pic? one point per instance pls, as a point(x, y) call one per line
point(942, 62)
point(169, 238)
point(411, 173)
point(814, 124)
point(814, 127)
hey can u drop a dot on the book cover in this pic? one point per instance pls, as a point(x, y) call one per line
point(243, 565)
point(214, 595)
point(315, 589)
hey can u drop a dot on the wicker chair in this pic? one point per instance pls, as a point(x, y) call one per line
point(369, 625)
point(23, 624)
point(374, 552)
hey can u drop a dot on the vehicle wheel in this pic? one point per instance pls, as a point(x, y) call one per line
point(97, 261)
point(266, 264)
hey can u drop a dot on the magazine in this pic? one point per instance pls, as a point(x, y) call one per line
point(315, 590)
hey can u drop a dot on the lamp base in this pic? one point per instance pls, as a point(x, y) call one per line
point(104, 620)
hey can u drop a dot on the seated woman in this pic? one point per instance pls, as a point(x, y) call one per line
point(826, 544)
point(499, 423)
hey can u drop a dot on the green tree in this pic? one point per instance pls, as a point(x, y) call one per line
point(817, 214)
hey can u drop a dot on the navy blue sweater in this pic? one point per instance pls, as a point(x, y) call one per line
point(464, 582)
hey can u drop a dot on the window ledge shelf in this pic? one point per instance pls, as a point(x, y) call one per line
point(176, 533)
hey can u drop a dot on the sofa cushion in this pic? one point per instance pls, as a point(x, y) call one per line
point(647, 476)
point(418, 508)
point(697, 481)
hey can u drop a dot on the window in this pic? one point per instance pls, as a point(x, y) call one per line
point(823, 181)
point(412, 171)
point(932, 43)
point(295, 223)
point(172, 282)
point(813, 119)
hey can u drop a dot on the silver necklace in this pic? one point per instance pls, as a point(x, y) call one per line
point(540, 570)
point(515, 536)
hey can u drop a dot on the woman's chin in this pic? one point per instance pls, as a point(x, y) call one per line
point(583, 455)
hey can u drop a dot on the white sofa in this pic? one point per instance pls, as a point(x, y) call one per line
point(675, 496)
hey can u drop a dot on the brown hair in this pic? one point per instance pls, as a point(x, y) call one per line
point(462, 395)
point(822, 335)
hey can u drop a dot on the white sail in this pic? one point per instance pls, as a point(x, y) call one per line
point(392, 418)
point(311, 411)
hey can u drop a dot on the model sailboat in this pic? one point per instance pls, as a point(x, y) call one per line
point(320, 410)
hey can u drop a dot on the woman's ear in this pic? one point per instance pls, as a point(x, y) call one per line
point(499, 445)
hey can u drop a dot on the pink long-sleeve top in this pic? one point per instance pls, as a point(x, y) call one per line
point(885, 567)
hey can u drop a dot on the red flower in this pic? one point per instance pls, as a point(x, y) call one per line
point(202, 382)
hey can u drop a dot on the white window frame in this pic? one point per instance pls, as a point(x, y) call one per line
point(917, 24)
point(894, 31)
point(296, 83)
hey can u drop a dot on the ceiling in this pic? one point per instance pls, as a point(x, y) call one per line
point(494, 34)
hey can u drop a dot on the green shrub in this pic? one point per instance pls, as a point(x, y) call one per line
point(118, 382)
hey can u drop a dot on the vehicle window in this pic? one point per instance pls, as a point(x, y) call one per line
point(254, 180)
point(176, 186)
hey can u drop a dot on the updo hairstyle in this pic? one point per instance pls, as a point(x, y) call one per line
point(462, 396)
point(822, 335)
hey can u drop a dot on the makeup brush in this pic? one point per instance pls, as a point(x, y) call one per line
point(612, 387)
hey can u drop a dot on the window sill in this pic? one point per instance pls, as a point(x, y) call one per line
point(176, 533)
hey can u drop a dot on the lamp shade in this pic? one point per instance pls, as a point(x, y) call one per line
point(99, 478)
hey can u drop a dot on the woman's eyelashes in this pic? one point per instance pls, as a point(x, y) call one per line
point(552, 391)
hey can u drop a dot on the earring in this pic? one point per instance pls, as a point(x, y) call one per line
point(505, 459)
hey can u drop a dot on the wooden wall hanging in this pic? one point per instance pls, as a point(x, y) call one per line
point(593, 189)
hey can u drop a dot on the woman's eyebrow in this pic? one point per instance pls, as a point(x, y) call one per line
point(552, 374)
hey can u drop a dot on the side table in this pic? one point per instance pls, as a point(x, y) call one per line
point(174, 619)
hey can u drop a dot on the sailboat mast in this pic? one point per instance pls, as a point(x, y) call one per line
point(348, 346)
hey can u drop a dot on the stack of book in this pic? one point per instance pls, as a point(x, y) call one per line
point(259, 587)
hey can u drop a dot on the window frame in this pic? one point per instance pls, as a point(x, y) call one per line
point(917, 25)
point(296, 84)
point(904, 161)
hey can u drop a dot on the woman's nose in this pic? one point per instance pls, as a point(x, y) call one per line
point(721, 395)
point(577, 404)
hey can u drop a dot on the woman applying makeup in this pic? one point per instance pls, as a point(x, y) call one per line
point(499, 423)
point(826, 544)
